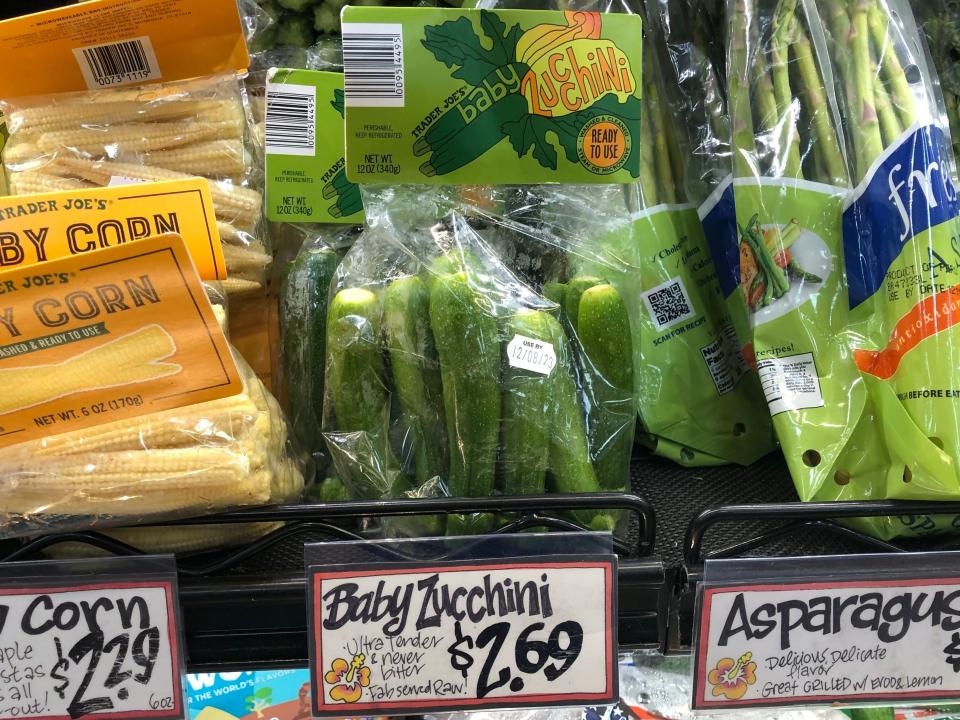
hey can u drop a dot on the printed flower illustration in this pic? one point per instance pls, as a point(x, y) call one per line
point(348, 680)
point(731, 678)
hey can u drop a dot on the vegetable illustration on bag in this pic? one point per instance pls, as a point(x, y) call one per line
point(768, 268)
point(347, 194)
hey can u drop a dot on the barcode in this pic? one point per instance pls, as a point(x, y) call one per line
point(373, 64)
point(668, 304)
point(119, 63)
point(291, 124)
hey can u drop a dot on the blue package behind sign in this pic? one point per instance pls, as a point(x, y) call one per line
point(260, 695)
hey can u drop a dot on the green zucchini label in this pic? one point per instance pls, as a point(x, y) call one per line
point(465, 96)
point(306, 181)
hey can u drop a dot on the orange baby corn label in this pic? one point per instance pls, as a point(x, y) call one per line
point(111, 43)
point(49, 226)
point(107, 335)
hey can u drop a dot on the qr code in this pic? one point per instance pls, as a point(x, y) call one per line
point(668, 304)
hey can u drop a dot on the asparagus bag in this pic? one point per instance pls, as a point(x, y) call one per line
point(695, 405)
point(449, 370)
point(790, 182)
point(692, 58)
point(900, 232)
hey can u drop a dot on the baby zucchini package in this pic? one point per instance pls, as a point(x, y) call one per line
point(313, 211)
point(458, 365)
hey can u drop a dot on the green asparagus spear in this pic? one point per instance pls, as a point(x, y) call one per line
point(648, 173)
point(878, 23)
point(741, 112)
point(819, 109)
point(889, 122)
point(666, 187)
point(865, 119)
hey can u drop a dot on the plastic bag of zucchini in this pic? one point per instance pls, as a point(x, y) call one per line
point(454, 369)
point(699, 402)
point(847, 204)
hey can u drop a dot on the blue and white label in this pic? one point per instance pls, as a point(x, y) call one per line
point(718, 216)
point(909, 191)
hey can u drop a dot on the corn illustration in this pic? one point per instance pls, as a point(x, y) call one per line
point(132, 358)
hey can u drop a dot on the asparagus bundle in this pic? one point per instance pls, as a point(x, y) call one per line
point(695, 404)
point(899, 236)
point(790, 183)
point(878, 103)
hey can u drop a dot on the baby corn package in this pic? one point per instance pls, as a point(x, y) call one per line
point(121, 398)
point(125, 93)
point(133, 247)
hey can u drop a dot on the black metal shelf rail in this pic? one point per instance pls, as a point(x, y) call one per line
point(788, 519)
point(241, 616)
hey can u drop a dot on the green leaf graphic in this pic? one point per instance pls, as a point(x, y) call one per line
point(531, 132)
point(455, 43)
point(504, 43)
point(337, 102)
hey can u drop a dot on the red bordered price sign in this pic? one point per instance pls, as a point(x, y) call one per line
point(836, 630)
point(412, 638)
point(90, 638)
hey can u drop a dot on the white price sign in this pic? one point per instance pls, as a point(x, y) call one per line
point(836, 641)
point(105, 650)
point(401, 639)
